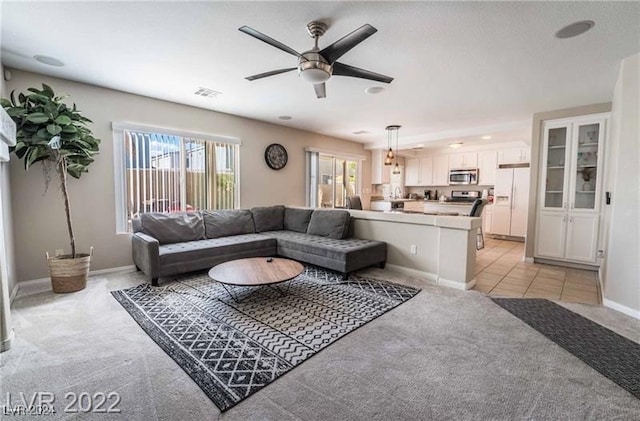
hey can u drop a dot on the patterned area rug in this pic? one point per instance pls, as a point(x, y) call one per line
point(612, 355)
point(233, 349)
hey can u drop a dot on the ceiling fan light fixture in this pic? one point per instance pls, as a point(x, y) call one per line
point(314, 76)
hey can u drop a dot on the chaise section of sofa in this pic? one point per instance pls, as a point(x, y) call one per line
point(169, 244)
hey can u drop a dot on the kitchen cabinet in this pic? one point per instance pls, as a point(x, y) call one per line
point(487, 165)
point(487, 216)
point(570, 198)
point(440, 170)
point(380, 173)
point(511, 202)
point(418, 171)
point(514, 156)
point(463, 160)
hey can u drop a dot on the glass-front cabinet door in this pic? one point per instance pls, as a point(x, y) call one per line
point(587, 159)
point(572, 158)
point(556, 163)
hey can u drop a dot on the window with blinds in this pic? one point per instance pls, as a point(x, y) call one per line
point(170, 173)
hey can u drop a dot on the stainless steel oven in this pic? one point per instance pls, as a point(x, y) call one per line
point(463, 176)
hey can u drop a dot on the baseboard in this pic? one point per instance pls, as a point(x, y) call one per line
point(564, 263)
point(456, 284)
point(5, 344)
point(621, 308)
point(431, 277)
point(36, 286)
point(14, 293)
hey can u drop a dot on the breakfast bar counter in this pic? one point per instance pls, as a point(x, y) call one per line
point(438, 248)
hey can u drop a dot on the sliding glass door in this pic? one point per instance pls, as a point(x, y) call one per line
point(331, 180)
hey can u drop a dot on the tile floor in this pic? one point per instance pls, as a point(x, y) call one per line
point(500, 271)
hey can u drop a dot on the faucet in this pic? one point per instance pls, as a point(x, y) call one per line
point(397, 192)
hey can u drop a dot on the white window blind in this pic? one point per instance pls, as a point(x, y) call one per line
point(170, 173)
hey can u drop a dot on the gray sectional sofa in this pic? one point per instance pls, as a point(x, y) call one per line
point(169, 244)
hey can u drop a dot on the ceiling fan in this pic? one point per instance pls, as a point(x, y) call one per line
point(317, 66)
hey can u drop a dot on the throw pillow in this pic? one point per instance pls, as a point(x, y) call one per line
point(223, 223)
point(268, 218)
point(329, 223)
point(297, 219)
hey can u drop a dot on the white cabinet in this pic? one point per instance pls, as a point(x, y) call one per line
point(511, 202)
point(380, 173)
point(487, 164)
point(567, 236)
point(418, 171)
point(380, 205)
point(570, 198)
point(487, 216)
point(441, 170)
point(514, 156)
point(463, 160)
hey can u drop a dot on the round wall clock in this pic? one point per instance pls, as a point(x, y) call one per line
point(276, 156)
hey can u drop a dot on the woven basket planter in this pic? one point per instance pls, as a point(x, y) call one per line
point(67, 274)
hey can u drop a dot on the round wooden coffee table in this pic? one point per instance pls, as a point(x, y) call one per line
point(255, 272)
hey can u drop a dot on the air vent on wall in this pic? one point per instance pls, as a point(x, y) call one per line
point(207, 93)
point(361, 132)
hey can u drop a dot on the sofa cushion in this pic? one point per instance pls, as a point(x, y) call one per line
point(336, 249)
point(329, 223)
point(297, 219)
point(210, 248)
point(171, 227)
point(268, 218)
point(222, 223)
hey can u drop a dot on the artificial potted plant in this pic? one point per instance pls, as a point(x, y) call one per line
point(56, 135)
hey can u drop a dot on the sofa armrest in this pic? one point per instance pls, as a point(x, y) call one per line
point(146, 254)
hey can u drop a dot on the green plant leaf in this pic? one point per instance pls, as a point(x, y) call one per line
point(54, 129)
point(70, 129)
point(62, 120)
point(5, 103)
point(46, 89)
point(38, 118)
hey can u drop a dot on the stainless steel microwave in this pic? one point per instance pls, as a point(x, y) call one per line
point(463, 176)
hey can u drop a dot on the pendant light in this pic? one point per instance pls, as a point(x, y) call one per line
point(390, 130)
point(388, 160)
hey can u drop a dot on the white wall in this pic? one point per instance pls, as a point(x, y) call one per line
point(7, 261)
point(40, 219)
point(622, 269)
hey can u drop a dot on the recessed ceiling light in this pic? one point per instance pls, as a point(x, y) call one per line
point(575, 29)
point(48, 60)
point(486, 137)
point(285, 117)
point(360, 132)
point(374, 90)
point(455, 145)
point(421, 145)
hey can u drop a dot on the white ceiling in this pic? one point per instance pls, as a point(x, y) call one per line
point(461, 69)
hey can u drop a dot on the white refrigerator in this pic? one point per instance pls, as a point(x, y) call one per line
point(511, 202)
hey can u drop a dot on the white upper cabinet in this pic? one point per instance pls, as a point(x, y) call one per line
point(418, 171)
point(440, 170)
point(463, 160)
point(380, 173)
point(514, 156)
point(487, 164)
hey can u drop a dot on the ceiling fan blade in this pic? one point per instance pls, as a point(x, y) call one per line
point(344, 44)
point(340, 69)
point(321, 90)
point(265, 38)
point(271, 73)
